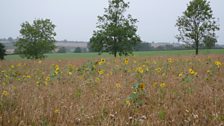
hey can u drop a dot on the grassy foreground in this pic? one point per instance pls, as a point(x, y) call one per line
point(63, 56)
point(168, 90)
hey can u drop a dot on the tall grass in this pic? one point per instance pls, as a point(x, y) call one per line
point(157, 90)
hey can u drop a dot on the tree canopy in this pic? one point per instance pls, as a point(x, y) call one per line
point(196, 24)
point(36, 39)
point(2, 51)
point(116, 32)
point(78, 50)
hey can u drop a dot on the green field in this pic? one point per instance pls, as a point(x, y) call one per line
point(145, 53)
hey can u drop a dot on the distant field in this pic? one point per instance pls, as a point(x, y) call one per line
point(145, 53)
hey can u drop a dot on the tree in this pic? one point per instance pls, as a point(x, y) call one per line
point(62, 50)
point(2, 51)
point(209, 42)
point(36, 39)
point(10, 39)
point(196, 23)
point(116, 32)
point(78, 50)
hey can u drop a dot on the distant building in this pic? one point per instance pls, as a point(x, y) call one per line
point(71, 45)
point(10, 51)
point(156, 45)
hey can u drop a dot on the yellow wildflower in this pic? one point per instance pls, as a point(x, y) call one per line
point(208, 71)
point(126, 61)
point(28, 76)
point(97, 80)
point(162, 85)
point(140, 70)
point(57, 69)
point(218, 64)
point(100, 72)
point(5, 93)
point(102, 61)
point(118, 85)
point(180, 74)
point(142, 86)
point(158, 69)
point(69, 73)
point(56, 111)
point(12, 66)
point(192, 72)
point(47, 78)
point(170, 60)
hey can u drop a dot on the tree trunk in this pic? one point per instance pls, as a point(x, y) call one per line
point(197, 43)
point(115, 54)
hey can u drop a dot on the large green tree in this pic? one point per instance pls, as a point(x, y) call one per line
point(36, 39)
point(2, 51)
point(116, 32)
point(196, 24)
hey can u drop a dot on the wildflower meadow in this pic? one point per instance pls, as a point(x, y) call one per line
point(156, 90)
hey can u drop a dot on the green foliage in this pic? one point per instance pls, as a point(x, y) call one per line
point(2, 51)
point(36, 39)
point(162, 115)
point(196, 23)
point(78, 50)
point(137, 96)
point(116, 32)
point(62, 50)
point(209, 42)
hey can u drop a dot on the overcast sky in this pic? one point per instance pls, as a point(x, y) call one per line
point(76, 19)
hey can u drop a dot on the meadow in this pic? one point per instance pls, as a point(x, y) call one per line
point(136, 90)
point(68, 56)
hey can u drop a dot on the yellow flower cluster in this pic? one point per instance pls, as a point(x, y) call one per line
point(218, 64)
point(118, 85)
point(158, 69)
point(100, 72)
point(56, 111)
point(12, 66)
point(5, 93)
point(192, 72)
point(162, 85)
point(126, 61)
point(140, 70)
point(57, 69)
point(102, 61)
point(180, 74)
point(47, 79)
point(170, 60)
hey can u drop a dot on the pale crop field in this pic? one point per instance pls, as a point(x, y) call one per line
point(155, 90)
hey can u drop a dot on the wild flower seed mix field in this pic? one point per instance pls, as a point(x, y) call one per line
point(157, 90)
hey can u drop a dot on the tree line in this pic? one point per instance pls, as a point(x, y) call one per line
point(116, 31)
